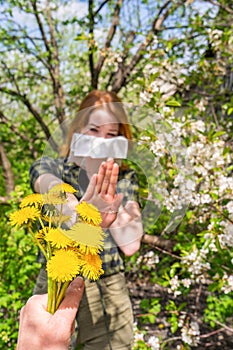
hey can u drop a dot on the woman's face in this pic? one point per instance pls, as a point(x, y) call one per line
point(101, 124)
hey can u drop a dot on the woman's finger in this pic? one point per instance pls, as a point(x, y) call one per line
point(113, 180)
point(100, 177)
point(73, 294)
point(69, 306)
point(132, 209)
point(107, 177)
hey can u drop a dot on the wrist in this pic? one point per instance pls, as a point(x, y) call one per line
point(71, 197)
point(56, 347)
point(45, 182)
point(41, 339)
point(55, 342)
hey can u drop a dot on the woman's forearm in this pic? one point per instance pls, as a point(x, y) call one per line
point(45, 182)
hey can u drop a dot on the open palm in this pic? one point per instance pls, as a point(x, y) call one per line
point(101, 192)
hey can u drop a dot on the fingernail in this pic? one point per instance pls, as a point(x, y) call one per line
point(78, 281)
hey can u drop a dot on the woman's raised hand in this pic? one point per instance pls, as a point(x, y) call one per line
point(101, 192)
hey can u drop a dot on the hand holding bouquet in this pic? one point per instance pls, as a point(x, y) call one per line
point(68, 252)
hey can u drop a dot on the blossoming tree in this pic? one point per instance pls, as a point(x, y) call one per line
point(173, 61)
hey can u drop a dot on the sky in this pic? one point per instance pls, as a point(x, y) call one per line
point(79, 8)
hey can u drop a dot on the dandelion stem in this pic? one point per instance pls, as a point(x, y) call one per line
point(61, 294)
point(50, 221)
point(38, 243)
point(51, 295)
point(42, 224)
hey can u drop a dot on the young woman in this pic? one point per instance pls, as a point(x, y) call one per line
point(105, 315)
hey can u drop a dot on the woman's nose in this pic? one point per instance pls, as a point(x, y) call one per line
point(102, 133)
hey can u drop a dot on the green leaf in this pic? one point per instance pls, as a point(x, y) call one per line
point(173, 103)
point(81, 37)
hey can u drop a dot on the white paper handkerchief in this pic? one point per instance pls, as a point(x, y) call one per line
point(98, 147)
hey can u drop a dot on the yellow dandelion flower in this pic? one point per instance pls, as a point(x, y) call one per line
point(24, 216)
point(46, 218)
point(41, 233)
point(39, 236)
point(89, 213)
point(56, 220)
point(53, 199)
point(57, 238)
point(63, 266)
point(91, 266)
point(63, 187)
point(89, 238)
point(32, 199)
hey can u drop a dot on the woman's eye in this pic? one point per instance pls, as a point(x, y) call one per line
point(111, 135)
point(93, 130)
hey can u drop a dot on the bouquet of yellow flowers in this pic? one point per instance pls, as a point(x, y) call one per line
point(68, 251)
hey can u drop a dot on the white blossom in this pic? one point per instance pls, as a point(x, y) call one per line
point(228, 283)
point(153, 342)
point(205, 198)
point(229, 207)
point(145, 97)
point(181, 320)
point(226, 239)
point(186, 282)
point(174, 283)
point(191, 334)
point(150, 259)
point(198, 125)
point(137, 334)
point(196, 263)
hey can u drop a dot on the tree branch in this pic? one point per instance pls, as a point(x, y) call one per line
point(52, 59)
point(158, 242)
point(130, 36)
point(11, 76)
point(100, 7)
point(41, 28)
point(91, 41)
point(34, 112)
point(224, 326)
point(109, 38)
point(59, 96)
point(218, 4)
point(123, 72)
point(16, 131)
point(7, 173)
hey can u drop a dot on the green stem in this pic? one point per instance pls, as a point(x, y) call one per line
point(43, 250)
point(38, 243)
point(51, 296)
point(42, 224)
point(49, 250)
point(61, 294)
point(56, 293)
point(50, 221)
point(59, 285)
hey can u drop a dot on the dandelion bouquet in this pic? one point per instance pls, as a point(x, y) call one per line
point(68, 251)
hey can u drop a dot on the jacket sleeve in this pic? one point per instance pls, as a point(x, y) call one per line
point(43, 166)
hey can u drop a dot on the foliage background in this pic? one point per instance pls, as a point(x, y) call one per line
point(173, 59)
